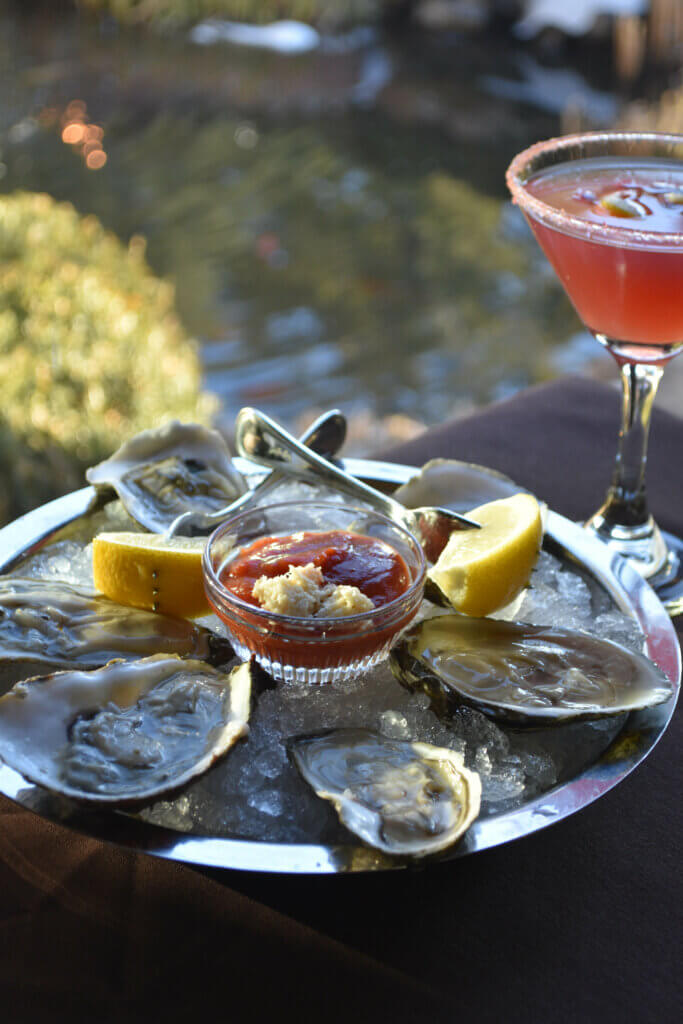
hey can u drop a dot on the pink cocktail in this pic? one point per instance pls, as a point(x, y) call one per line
point(607, 210)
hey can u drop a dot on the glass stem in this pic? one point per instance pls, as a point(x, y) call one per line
point(626, 503)
point(623, 521)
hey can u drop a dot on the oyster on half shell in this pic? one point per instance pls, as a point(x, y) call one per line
point(404, 798)
point(524, 673)
point(457, 485)
point(124, 733)
point(45, 623)
point(161, 473)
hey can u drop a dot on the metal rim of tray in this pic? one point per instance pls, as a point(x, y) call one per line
point(642, 729)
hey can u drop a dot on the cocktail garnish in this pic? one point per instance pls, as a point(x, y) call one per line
point(620, 204)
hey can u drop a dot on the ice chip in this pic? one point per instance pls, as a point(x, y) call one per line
point(267, 801)
point(394, 725)
point(257, 793)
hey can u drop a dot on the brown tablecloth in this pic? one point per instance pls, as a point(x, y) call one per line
point(581, 922)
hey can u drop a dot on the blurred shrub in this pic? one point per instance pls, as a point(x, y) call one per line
point(161, 12)
point(412, 282)
point(91, 350)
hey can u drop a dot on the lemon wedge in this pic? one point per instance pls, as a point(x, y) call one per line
point(482, 570)
point(144, 570)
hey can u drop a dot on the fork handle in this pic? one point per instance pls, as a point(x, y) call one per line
point(265, 442)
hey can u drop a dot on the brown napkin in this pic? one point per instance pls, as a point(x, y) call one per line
point(577, 923)
point(560, 440)
point(92, 932)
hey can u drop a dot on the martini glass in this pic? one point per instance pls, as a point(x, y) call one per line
point(607, 210)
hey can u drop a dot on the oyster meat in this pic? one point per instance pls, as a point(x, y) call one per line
point(404, 798)
point(519, 672)
point(124, 733)
point(161, 473)
point(48, 623)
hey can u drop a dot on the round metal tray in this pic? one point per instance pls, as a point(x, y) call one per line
point(640, 733)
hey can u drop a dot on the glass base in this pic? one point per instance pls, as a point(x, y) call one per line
point(643, 544)
point(312, 675)
point(668, 582)
point(655, 554)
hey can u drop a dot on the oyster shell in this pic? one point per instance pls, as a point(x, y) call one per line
point(515, 671)
point(403, 798)
point(460, 486)
point(124, 733)
point(180, 467)
point(48, 623)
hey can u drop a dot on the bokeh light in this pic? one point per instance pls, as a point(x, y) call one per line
point(73, 133)
point(96, 159)
point(77, 131)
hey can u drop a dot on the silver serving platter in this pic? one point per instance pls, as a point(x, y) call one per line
point(641, 731)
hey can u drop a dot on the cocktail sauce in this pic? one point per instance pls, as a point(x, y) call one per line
point(343, 557)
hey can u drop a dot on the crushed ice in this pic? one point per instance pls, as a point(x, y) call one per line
point(257, 793)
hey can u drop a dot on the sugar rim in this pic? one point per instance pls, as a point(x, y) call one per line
point(522, 168)
point(309, 621)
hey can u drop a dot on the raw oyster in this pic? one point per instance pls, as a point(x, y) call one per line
point(124, 733)
point(403, 798)
point(457, 485)
point(48, 623)
point(180, 467)
point(519, 672)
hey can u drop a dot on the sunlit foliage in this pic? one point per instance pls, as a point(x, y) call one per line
point(169, 12)
point(417, 290)
point(91, 350)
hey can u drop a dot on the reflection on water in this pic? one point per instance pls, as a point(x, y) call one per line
point(335, 222)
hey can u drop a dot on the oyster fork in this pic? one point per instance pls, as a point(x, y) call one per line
point(325, 435)
point(265, 442)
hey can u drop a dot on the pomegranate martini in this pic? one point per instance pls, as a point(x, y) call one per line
point(607, 210)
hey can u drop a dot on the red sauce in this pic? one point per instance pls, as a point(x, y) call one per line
point(376, 568)
point(343, 557)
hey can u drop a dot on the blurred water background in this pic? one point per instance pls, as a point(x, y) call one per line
point(327, 198)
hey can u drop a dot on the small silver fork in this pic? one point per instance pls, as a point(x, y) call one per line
point(262, 440)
